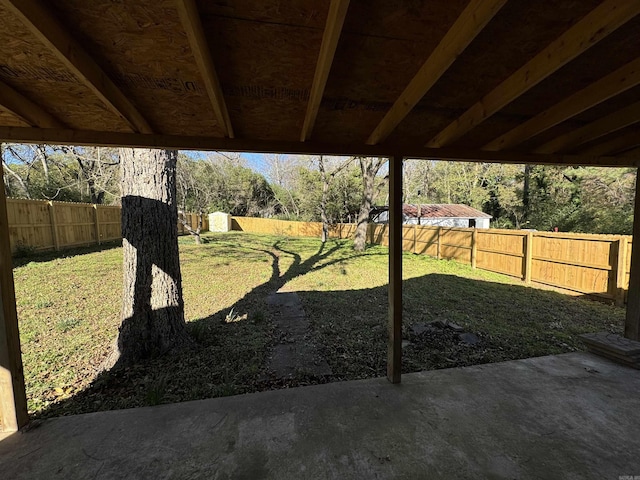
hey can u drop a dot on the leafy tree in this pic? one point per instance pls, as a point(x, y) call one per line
point(222, 182)
point(582, 199)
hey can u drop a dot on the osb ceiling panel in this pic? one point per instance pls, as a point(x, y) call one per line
point(265, 74)
point(143, 47)
point(613, 52)
point(265, 53)
point(516, 34)
point(382, 47)
point(300, 13)
point(30, 68)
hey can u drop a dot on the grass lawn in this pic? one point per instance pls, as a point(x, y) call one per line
point(69, 310)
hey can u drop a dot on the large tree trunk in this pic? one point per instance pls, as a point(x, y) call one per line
point(152, 306)
point(369, 168)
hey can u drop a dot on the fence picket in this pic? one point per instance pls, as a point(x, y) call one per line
point(579, 264)
point(42, 225)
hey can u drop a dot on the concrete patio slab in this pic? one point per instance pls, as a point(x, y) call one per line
point(573, 416)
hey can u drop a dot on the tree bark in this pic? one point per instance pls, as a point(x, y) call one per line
point(152, 307)
point(369, 168)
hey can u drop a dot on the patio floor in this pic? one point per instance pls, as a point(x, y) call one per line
point(572, 416)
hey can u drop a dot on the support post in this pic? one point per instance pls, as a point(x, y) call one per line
point(621, 260)
point(394, 347)
point(13, 400)
point(439, 254)
point(528, 257)
point(474, 247)
point(96, 223)
point(54, 227)
point(632, 320)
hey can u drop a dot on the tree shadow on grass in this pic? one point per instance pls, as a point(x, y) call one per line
point(21, 260)
point(231, 348)
point(231, 352)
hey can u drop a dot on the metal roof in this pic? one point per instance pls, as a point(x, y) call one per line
point(443, 210)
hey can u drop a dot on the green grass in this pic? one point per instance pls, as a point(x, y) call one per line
point(69, 309)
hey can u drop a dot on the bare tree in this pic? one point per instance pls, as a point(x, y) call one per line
point(326, 178)
point(281, 174)
point(28, 157)
point(96, 169)
point(369, 168)
point(190, 187)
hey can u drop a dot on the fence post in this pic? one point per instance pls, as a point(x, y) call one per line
point(474, 247)
point(620, 272)
point(415, 230)
point(528, 256)
point(54, 227)
point(97, 223)
point(438, 253)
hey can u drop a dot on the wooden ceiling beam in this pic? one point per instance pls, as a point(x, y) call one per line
point(333, 29)
point(606, 18)
point(599, 128)
point(90, 137)
point(616, 145)
point(192, 25)
point(22, 107)
point(635, 153)
point(607, 87)
point(469, 24)
point(42, 23)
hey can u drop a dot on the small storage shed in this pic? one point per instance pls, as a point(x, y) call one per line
point(437, 214)
point(219, 222)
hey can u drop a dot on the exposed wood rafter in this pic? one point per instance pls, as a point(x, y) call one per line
point(41, 22)
point(616, 145)
point(29, 112)
point(599, 128)
point(635, 153)
point(469, 24)
point(607, 87)
point(595, 26)
point(333, 29)
point(90, 137)
point(192, 25)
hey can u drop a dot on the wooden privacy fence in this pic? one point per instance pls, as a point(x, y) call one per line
point(581, 264)
point(41, 225)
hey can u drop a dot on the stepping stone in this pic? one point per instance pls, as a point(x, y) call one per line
point(469, 338)
point(455, 327)
point(420, 328)
point(295, 355)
